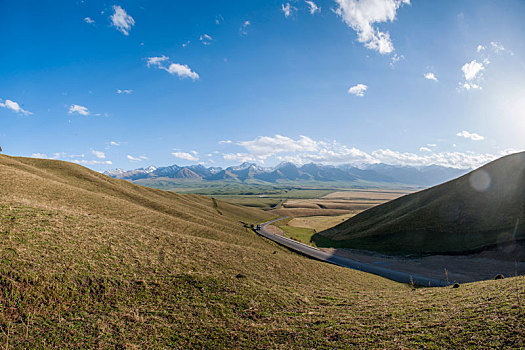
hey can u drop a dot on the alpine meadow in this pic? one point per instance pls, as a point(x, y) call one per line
point(266, 174)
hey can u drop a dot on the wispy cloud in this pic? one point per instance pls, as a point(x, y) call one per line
point(114, 143)
point(89, 20)
point(244, 27)
point(75, 158)
point(239, 157)
point(266, 146)
point(361, 17)
point(136, 159)
point(497, 47)
point(78, 109)
point(472, 136)
point(14, 106)
point(313, 7)
point(125, 92)
point(358, 90)
point(206, 39)
point(222, 142)
point(185, 155)
point(99, 154)
point(287, 9)
point(92, 162)
point(162, 62)
point(121, 20)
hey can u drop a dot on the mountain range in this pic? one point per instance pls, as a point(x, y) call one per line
point(286, 171)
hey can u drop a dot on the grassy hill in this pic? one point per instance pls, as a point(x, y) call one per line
point(483, 208)
point(87, 261)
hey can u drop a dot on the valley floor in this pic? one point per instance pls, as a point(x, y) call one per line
point(454, 268)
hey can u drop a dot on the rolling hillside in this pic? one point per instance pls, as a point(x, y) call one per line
point(483, 208)
point(87, 261)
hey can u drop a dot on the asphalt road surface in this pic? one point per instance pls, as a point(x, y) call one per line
point(317, 254)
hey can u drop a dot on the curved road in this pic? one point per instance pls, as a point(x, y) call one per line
point(317, 254)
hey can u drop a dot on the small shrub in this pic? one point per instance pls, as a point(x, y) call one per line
point(456, 285)
point(499, 277)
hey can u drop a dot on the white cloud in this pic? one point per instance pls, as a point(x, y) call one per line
point(305, 150)
point(71, 157)
point(244, 27)
point(78, 109)
point(496, 47)
point(186, 43)
point(431, 145)
point(266, 146)
point(39, 155)
point(358, 90)
point(472, 136)
point(458, 160)
point(480, 48)
point(89, 20)
point(395, 58)
point(222, 142)
point(183, 71)
point(472, 70)
point(185, 155)
point(99, 154)
point(362, 15)
point(430, 76)
point(93, 162)
point(239, 157)
point(313, 7)
point(14, 106)
point(114, 143)
point(126, 92)
point(156, 61)
point(136, 159)
point(206, 39)
point(287, 9)
point(121, 20)
point(473, 73)
point(331, 153)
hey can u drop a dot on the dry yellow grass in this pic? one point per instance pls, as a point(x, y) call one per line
point(371, 194)
point(91, 262)
point(319, 223)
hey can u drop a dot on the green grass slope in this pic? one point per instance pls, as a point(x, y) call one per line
point(87, 261)
point(483, 208)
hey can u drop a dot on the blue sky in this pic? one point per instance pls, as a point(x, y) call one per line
point(135, 83)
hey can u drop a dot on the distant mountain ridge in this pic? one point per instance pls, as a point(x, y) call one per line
point(287, 171)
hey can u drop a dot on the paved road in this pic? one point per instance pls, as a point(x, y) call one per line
point(317, 254)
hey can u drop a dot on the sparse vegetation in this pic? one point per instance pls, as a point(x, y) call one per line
point(453, 217)
point(91, 262)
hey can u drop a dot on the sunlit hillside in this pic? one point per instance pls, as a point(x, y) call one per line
point(90, 261)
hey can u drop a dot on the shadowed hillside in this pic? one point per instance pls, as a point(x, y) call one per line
point(483, 208)
point(87, 261)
